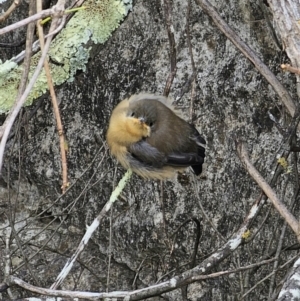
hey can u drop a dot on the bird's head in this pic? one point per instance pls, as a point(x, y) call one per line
point(136, 125)
point(143, 115)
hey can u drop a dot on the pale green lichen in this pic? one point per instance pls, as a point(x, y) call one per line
point(68, 51)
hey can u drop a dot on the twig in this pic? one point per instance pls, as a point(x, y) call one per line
point(185, 278)
point(28, 53)
point(289, 68)
point(42, 14)
point(170, 29)
point(58, 8)
point(19, 103)
point(249, 54)
point(90, 230)
point(280, 207)
point(139, 294)
point(208, 220)
point(13, 6)
point(54, 103)
point(24, 78)
point(188, 38)
point(268, 276)
point(291, 285)
point(276, 262)
point(110, 245)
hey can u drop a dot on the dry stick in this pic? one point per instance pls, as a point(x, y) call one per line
point(250, 55)
point(185, 278)
point(276, 262)
point(13, 6)
point(55, 105)
point(188, 38)
point(19, 102)
point(139, 294)
point(287, 67)
point(280, 207)
point(206, 217)
point(90, 230)
point(280, 244)
point(42, 14)
point(7, 257)
point(268, 276)
point(168, 10)
point(26, 65)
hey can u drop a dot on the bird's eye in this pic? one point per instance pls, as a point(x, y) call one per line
point(132, 114)
point(151, 124)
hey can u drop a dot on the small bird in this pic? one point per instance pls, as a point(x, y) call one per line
point(145, 135)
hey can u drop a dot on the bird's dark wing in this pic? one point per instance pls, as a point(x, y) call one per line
point(184, 159)
point(147, 154)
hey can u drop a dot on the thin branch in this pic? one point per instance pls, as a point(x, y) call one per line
point(90, 230)
point(13, 6)
point(28, 51)
point(292, 284)
point(168, 11)
point(268, 276)
point(27, 54)
point(185, 278)
point(276, 262)
point(249, 54)
point(139, 294)
point(42, 14)
point(208, 220)
point(280, 207)
point(54, 103)
point(19, 102)
point(188, 38)
point(289, 68)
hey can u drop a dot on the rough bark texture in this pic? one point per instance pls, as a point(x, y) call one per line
point(286, 16)
point(143, 234)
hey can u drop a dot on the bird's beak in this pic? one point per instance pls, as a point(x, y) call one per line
point(142, 119)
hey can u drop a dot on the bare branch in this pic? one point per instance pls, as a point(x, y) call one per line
point(292, 284)
point(68, 266)
point(20, 101)
point(42, 14)
point(280, 207)
point(168, 11)
point(54, 103)
point(250, 55)
point(139, 294)
point(289, 68)
point(13, 6)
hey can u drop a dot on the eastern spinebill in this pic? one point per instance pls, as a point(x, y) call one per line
point(145, 135)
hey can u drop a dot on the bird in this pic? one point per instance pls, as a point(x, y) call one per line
point(148, 137)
